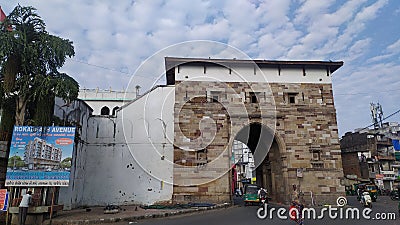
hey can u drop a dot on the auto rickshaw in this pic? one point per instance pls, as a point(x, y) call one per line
point(251, 194)
point(371, 189)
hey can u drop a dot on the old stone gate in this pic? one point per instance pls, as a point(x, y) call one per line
point(283, 110)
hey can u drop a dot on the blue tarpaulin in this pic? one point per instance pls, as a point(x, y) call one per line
point(396, 145)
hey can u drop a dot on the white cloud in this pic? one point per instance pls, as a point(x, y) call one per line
point(394, 48)
point(358, 49)
point(273, 15)
point(311, 10)
point(379, 58)
point(118, 37)
point(214, 31)
point(358, 24)
point(389, 52)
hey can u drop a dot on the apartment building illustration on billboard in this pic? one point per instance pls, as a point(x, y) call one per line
point(41, 155)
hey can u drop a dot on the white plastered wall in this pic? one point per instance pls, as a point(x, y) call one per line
point(127, 159)
point(251, 74)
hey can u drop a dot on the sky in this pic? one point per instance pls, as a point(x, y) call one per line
point(112, 40)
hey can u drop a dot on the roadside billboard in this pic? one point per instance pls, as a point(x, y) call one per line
point(40, 156)
point(3, 199)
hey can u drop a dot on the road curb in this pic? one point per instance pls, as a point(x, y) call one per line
point(136, 218)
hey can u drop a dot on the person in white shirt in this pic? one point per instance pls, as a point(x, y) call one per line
point(262, 193)
point(23, 207)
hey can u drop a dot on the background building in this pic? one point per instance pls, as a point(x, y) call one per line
point(369, 156)
point(106, 102)
point(244, 161)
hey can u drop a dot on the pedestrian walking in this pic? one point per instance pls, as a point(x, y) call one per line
point(296, 207)
point(23, 207)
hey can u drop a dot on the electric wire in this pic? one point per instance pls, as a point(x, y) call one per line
point(387, 117)
point(110, 69)
point(366, 93)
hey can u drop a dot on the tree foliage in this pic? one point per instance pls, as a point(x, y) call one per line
point(15, 161)
point(66, 163)
point(29, 61)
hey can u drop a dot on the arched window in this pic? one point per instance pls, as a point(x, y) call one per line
point(115, 110)
point(105, 111)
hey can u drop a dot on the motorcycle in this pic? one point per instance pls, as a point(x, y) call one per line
point(366, 200)
point(263, 200)
point(394, 195)
point(263, 197)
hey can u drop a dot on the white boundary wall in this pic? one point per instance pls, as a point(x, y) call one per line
point(127, 159)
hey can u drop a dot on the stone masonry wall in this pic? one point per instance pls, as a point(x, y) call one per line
point(309, 130)
point(303, 118)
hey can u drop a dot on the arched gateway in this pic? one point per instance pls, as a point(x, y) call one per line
point(282, 110)
point(268, 158)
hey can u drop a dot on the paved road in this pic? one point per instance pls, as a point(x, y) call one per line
point(240, 215)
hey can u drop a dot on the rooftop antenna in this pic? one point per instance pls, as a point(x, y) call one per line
point(377, 115)
point(380, 113)
point(374, 115)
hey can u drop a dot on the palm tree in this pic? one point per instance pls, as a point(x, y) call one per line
point(29, 61)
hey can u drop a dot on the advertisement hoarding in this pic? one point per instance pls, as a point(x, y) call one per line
point(40, 156)
point(3, 199)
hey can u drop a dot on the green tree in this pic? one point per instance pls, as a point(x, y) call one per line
point(29, 61)
point(15, 161)
point(66, 163)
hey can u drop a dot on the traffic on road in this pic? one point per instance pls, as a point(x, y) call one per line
point(384, 211)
